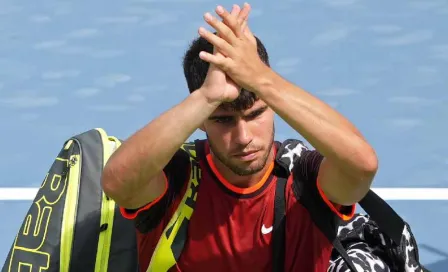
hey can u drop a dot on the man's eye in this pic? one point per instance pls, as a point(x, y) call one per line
point(223, 120)
point(254, 115)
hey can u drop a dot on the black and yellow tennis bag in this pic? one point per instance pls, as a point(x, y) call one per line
point(72, 226)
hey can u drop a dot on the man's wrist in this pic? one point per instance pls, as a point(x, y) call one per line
point(265, 82)
point(206, 101)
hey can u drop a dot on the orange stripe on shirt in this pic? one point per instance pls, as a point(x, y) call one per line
point(234, 188)
point(132, 215)
point(336, 208)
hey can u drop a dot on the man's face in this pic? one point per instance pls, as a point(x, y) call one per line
point(242, 140)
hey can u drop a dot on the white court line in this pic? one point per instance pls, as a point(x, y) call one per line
point(386, 193)
point(412, 193)
point(22, 193)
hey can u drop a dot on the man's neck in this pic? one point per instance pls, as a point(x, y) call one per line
point(243, 181)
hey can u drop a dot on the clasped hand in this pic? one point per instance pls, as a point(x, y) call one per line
point(237, 47)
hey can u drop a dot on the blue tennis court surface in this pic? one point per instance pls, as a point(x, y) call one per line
point(69, 66)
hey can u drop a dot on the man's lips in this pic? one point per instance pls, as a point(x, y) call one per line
point(246, 155)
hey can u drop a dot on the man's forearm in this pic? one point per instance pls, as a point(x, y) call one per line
point(149, 150)
point(327, 130)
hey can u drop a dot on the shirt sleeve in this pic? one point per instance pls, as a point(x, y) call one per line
point(176, 173)
point(305, 173)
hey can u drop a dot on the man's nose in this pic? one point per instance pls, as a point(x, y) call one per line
point(241, 133)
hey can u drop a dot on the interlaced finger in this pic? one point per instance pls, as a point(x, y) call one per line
point(224, 31)
point(244, 14)
point(229, 20)
point(218, 43)
point(242, 20)
point(235, 10)
point(218, 60)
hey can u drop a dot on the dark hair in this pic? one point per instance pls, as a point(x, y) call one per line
point(195, 71)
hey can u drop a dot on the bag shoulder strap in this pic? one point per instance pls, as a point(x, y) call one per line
point(279, 231)
point(344, 255)
point(175, 234)
point(384, 216)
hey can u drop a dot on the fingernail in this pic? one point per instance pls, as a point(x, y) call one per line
point(219, 9)
point(208, 16)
